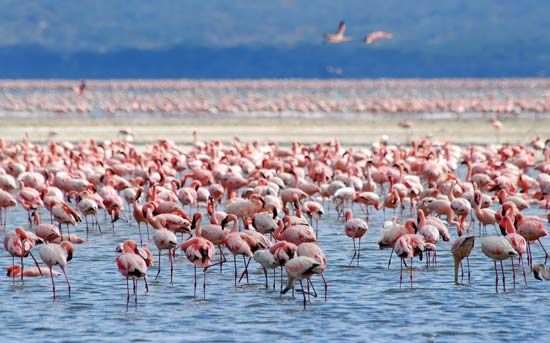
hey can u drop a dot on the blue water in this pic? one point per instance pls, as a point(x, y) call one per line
point(364, 303)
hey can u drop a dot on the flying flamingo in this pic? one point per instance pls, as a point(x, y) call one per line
point(338, 37)
point(60, 255)
point(198, 251)
point(355, 228)
point(374, 36)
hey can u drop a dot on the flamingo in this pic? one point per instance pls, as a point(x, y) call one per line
point(132, 265)
point(6, 201)
point(541, 272)
point(409, 246)
point(60, 255)
point(377, 35)
point(165, 240)
point(498, 248)
point(338, 37)
point(198, 251)
point(266, 259)
point(462, 248)
point(300, 268)
point(16, 270)
point(314, 251)
point(236, 243)
point(355, 228)
point(65, 214)
point(19, 243)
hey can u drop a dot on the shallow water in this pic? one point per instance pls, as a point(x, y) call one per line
point(364, 303)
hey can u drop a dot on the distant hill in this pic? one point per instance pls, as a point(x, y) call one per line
point(217, 38)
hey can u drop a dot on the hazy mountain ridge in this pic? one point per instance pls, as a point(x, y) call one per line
point(282, 38)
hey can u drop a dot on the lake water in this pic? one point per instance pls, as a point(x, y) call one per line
point(364, 303)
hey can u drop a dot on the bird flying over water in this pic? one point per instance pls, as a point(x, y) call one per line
point(374, 36)
point(338, 37)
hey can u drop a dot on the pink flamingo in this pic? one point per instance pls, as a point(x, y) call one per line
point(16, 270)
point(165, 240)
point(132, 264)
point(198, 251)
point(377, 35)
point(498, 248)
point(235, 242)
point(338, 37)
point(19, 243)
point(314, 251)
point(300, 268)
point(355, 228)
point(462, 248)
point(60, 255)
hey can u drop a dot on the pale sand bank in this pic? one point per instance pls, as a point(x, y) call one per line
point(356, 132)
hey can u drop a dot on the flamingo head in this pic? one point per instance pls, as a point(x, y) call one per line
point(411, 226)
point(14, 270)
point(196, 218)
point(69, 249)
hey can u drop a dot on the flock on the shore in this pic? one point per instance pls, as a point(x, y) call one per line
point(233, 203)
point(508, 97)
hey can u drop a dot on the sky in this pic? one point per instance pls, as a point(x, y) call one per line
point(421, 27)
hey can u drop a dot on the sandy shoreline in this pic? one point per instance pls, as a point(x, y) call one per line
point(283, 130)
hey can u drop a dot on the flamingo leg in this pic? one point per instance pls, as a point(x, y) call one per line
point(195, 284)
point(358, 251)
point(146, 284)
point(411, 273)
point(127, 290)
point(53, 283)
point(503, 277)
point(303, 293)
point(158, 272)
point(13, 274)
point(22, 267)
point(139, 229)
point(468, 263)
point(391, 254)
point(545, 252)
point(235, 264)
point(401, 274)
point(204, 283)
point(496, 276)
point(36, 263)
point(97, 223)
point(325, 284)
point(354, 252)
point(523, 269)
point(67, 279)
point(265, 274)
point(171, 264)
point(513, 272)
